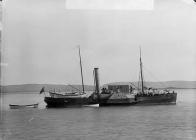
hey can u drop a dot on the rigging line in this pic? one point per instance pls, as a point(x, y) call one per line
point(154, 77)
point(134, 85)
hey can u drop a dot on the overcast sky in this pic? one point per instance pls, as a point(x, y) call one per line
point(40, 39)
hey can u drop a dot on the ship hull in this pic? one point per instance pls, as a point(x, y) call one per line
point(65, 102)
point(55, 102)
point(109, 101)
point(117, 103)
point(117, 99)
point(157, 99)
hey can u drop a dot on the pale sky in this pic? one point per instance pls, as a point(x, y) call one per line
point(40, 38)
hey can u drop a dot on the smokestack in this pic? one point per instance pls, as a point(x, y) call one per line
point(96, 80)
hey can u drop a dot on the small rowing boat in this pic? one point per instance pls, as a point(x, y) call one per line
point(23, 106)
point(92, 105)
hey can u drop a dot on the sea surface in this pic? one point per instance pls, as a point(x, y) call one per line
point(158, 122)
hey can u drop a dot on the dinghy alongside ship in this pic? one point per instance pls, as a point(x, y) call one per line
point(23, 106)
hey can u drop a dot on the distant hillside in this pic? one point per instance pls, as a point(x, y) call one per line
point(37, 88)
point(161, 85)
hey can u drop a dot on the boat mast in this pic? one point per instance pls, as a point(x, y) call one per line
point(81, 70)
point(141, 72)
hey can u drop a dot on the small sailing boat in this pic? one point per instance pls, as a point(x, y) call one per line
point(69, 99)
point(12, 106)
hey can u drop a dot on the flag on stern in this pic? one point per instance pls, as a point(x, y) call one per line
point(42, 90)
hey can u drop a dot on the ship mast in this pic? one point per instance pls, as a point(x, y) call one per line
point(81, 70)
point(141, 72)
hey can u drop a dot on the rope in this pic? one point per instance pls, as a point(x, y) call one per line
point(155, 78)
point(134, 85)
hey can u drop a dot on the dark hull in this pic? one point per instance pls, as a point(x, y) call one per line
point(64, 102)
point(139, 100)
point(157, 99)
point(117, 102)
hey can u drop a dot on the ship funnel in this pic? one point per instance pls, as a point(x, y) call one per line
point(96, 80)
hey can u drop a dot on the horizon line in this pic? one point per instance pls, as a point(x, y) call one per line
point(92, 84)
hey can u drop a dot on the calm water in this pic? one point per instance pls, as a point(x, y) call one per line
point(162, 122)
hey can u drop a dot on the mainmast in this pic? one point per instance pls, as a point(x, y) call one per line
point(81, 70)
point(141, 72)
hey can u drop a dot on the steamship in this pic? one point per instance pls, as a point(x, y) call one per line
point(112, 94)
point(122, 96)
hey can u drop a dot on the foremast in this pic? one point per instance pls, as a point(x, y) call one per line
point(141, 73)
point(81, 71)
